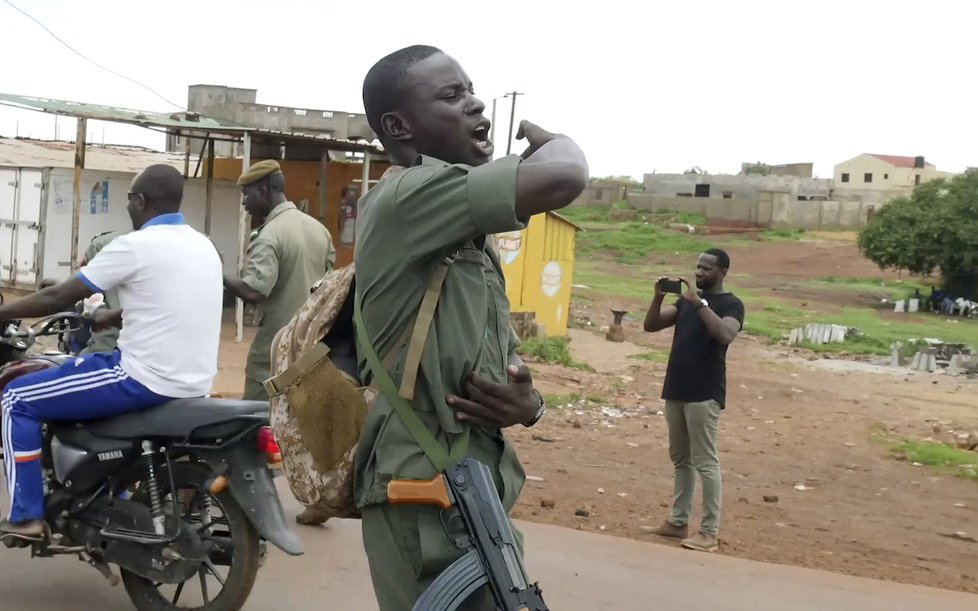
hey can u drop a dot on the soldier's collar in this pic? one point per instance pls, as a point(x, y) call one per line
point(279, 209)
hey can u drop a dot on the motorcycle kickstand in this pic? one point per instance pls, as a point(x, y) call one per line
point(102, 567)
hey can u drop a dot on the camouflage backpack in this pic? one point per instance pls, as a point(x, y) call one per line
point(318, 402)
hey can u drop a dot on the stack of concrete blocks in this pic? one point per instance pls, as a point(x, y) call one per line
point(910, 305)
point(924, 360)
point(896, 355)
point(962, 364)
point(818, 334)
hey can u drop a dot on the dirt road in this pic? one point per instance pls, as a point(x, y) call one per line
point(578, 572)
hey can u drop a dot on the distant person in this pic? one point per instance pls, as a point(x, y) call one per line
point(348, 215)
point(105, 339)
point(287, 255)
point(706, 322)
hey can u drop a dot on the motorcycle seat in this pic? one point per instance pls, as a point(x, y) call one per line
point(184, 418)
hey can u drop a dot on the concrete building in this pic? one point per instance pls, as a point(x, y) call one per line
point(879, 178)
point(241, 106)
point(735, 186)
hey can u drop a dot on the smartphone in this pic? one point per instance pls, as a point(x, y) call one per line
point(674, 287)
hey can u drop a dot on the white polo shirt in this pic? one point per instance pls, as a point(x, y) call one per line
point(170, 284)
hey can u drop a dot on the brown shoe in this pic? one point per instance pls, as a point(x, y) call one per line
point(311, 517)
point(30, 528)
point(668, 529)
point(702, 542)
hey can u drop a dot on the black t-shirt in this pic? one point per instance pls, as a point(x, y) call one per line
point(697, 369)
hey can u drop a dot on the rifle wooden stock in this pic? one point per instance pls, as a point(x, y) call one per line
point(419, 492)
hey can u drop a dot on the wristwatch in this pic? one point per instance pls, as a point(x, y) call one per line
point(540, 412)
point(702, 304)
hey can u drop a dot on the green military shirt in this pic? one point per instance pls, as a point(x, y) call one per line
point(406, 225)
point(290, 253)
point(104, 340)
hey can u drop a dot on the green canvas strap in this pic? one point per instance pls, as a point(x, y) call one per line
point(405, 411)
point(422, 326)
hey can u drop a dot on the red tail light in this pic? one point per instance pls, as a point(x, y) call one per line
point(268, 445)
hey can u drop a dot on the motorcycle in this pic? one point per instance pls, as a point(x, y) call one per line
point(173, 495)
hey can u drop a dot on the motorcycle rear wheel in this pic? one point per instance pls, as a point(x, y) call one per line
point(245, 553)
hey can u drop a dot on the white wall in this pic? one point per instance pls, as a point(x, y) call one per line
point(112, 216)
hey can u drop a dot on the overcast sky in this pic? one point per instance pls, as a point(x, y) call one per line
point(660, 85)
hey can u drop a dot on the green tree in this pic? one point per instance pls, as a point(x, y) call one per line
point(757, 168)
point(935, 229)
point(625, 179)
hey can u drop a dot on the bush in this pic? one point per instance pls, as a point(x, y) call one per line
point(552, 350)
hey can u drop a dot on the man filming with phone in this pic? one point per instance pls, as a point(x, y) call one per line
point(706, 321)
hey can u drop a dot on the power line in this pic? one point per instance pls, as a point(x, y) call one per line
point(95, 63)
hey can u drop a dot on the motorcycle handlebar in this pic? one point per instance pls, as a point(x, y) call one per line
point(62, 322)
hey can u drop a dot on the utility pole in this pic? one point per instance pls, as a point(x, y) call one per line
point(512, 117)
point(492, 121)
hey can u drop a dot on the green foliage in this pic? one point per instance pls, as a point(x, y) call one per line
point(937, 455)
point(634, 242)
point(935, 228)
point(758, 168)
point(690, 218)
point(552, 350)
point(583, 214)
point(783, 234)
point(654, 356)
point(620, 178)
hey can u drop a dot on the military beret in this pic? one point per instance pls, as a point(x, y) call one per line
point(258, 171)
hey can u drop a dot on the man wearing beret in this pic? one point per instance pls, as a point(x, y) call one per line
point(290, 253)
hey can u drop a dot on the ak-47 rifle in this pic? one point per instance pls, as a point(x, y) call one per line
point(492, 558)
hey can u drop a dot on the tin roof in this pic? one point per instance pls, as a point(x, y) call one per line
point(181, 122)
point(900, 161)
point(566, 220)
point(181, 119)
point(26, 153)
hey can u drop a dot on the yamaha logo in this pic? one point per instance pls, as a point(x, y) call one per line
point(113, 455)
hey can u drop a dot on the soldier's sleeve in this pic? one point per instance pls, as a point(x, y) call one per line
point(261, 267)
point(330, 253)
point(439, 206)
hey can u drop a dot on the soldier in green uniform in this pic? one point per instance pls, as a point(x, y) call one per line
point(290, 253)
point(448, 196)
point(106, 339)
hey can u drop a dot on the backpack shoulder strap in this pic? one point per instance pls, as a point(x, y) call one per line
point(405, 411)
point(422, 327)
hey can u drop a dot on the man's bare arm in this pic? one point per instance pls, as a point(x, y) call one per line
point(553, 174)
point(724, 330)
point(58, 298)
point(240, 289)
point(659, 318)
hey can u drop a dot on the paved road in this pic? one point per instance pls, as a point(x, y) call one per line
point(578, 571)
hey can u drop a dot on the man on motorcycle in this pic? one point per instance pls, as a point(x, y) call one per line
point(168, 278)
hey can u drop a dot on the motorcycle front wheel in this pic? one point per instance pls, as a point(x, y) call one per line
point(234, 543)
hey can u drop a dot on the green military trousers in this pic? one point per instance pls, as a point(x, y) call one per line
point(407, 547)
